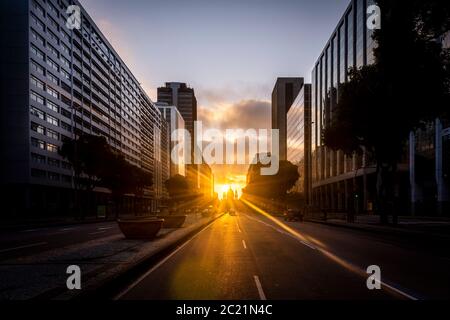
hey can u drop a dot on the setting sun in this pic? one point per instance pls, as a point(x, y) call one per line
point(222, 189)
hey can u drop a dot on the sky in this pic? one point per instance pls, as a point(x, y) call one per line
point(230, 51)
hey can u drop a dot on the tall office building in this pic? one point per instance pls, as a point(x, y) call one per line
point(176, 122)
point(57, 84)
point(181, 96)
point(299, 140)
point(283, 95)
point(341, 182)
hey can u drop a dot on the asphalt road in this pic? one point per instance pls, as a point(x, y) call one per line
point(250, 256)
point(32, 241)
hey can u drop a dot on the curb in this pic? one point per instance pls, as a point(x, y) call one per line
point(373, 229)
point(39, 225)
point(109, 288)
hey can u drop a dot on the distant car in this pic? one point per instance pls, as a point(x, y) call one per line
point(207, 213)
point(293, 215)
point(232, 212)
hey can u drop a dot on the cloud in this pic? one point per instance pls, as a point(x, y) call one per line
point(245, 114)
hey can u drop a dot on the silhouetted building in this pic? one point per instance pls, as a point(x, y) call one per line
point(337, 178)
point(429, 164)
point(283, 95)
point(165, 155)
point(348, 183)
point(57, 84)
point(181, 96)
point(176, 122)
point(299, 140)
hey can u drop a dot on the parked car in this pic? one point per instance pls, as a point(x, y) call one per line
point(293, 215)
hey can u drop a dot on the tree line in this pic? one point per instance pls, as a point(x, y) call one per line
point(96, 164)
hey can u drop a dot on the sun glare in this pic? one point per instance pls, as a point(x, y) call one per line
point(222, 189)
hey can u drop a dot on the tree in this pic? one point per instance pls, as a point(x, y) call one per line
point(276, 186)
point(87, 154)
point(123, 178)
point(177, 186)
point(96, 164)
point(406, 87)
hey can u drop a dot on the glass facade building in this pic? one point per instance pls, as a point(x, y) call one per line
point(350, 45)
point(59, 84)
point(299, 140)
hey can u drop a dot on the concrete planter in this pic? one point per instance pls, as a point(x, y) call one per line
point(140, 228)
point(171, 222)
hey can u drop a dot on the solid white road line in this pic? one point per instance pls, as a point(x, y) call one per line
point(27, 231)
point(262, 296)
point(244, 244)
point(156, 267)
point(24, 247)
point(283, 232)
point(105, 228)
point(95, 233)
point(67, 229)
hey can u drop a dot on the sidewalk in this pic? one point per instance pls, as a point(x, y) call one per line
point(43, 276)
point(12, 225)
point(438, 227)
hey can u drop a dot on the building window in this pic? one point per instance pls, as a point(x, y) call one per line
point(52, 49)
point(66, 113)
point(52, 148)
point(38, 143)
point(53, 36)
point(65, 61)
point(52, 9)
point(53, 176)
point(53, 23)
point(36, 67)
point(52, 64)
point(37, 113)
point(37, 158)
point(65, 48)
point(53, 162)
point(65, 74)
point(38, 8)
point(52, 78)
point(52, 92)
point(52, 134)
point(66, 126)
point(36, 173)
point(64, 34)
point(52, 120)
point(37, 128)
point(37, 37)
point(37, 52)
point(52, 106)
point(37, 83)
point(36, 97)
point(66, 165)
point(66, 179)
point(37, 22)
